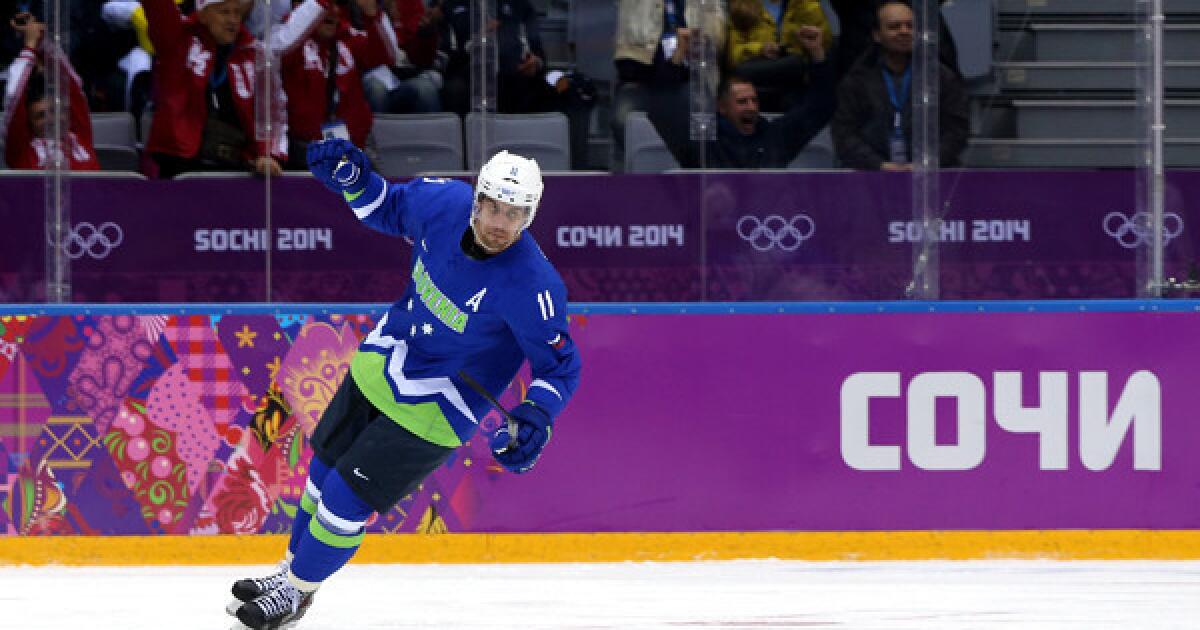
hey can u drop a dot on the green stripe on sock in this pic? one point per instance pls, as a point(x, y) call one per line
point(307, 504)
point(352, 196)
point(333, 540)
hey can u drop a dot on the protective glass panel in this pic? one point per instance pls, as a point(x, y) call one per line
point(1042, 150)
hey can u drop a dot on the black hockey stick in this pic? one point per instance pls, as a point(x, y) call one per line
point(513, 426)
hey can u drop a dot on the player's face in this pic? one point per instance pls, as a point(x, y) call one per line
point(496, 224)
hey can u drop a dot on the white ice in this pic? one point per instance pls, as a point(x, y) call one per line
point(738, 594)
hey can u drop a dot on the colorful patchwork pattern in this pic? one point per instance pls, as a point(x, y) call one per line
point(155, 424)
point(115, 352)
point(204, 361)
point(150, 467)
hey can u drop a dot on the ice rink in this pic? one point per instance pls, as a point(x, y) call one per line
point(728, 594)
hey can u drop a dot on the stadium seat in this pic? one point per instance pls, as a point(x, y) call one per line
point(645, 151)
point(408, 144)
point(115, 142)
point(113, 129)
point(817, 154)
point(114, 157)
point(543, 137)
point(971, 23)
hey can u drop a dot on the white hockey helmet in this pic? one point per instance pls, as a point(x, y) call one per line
point(512, 179)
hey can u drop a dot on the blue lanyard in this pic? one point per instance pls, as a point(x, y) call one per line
point(898, 101)
point(670, 19)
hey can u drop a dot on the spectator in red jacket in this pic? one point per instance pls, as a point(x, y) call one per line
point(325, 91)
point(29, 142)
point(204, 77)
point(413, 83)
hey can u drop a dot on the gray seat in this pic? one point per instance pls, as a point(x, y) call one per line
point(590, 30)
point(971, 22)
point(1086, 8)
point(113, 129)
point(817, 154)
point(1099, 118)
point(645, 151)
point(1109, 42)
point(408, 144)
point(543, 137)
point(114, 157)
point(115, 141)
point(1073, 153)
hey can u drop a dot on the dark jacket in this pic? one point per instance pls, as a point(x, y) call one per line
point(775, 143)
point(857, 20)
point(863, 121)
point(517, 32)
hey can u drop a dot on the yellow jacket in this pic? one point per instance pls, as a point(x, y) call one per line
point(747, 44)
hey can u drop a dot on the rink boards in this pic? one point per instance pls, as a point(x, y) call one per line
point(132, 434)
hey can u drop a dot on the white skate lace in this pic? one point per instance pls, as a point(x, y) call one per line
point(273, 581)
point(279, 602)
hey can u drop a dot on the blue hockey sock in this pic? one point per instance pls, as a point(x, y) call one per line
point(317, 472)
point(334, 532)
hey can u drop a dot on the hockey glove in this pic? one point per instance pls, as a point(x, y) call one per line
point(533, 431)
point(338, 164)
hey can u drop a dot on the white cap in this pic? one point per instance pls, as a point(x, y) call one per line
point(512, 179)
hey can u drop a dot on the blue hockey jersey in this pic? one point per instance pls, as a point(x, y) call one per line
point(482, 317)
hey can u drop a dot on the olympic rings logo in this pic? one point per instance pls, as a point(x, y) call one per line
point(85, 239)
point(1134, 230)
point(776, 231)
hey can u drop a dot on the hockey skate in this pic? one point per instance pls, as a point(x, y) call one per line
point(250, 589)
point(278, 609)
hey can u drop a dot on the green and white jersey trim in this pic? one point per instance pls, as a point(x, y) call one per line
point(379, 372)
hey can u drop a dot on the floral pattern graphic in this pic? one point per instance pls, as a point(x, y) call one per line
point(184, 424)
point(150, 467)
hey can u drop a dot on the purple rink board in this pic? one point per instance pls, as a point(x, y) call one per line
point(691, 422)
point(716, 237)
point(734, 422)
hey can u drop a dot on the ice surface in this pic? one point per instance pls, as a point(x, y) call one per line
point(737, 594)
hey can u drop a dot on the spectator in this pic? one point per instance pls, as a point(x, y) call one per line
point(651, 60)
point(872, 128)
point(204, 78)
point(765, 45)
point(30, 141)
point(857, 21)
point(413, 82)
point(523, 82)
point(324, 87)
point(747, 140)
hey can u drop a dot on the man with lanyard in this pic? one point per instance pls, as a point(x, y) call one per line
point(872, 128)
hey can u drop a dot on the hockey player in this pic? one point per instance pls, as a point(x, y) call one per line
point(482, 299)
